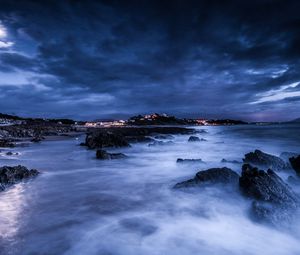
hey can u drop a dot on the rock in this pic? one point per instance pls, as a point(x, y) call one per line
point(295, 162)
point(274, 201)
point(265, 161)
point(105, 139)
point(9, 153)
point(102, 154)
point(6, 143)
point(11, 175)
point(180, 160)
point(155, 143)
point(194, 139)
point(211, 176)
point(230, 161)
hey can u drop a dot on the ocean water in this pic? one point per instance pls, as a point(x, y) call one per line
point(80, 205)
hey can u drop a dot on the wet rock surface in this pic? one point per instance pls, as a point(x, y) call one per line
point(10, 175)
point(295, 162)
point(230, 161)
point(104, 155)
point(274, 201)
point(211, 176)
point(265, 161)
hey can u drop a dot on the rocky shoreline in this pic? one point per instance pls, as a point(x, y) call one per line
point(273, 201)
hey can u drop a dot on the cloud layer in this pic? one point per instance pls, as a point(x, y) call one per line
point(100, 59)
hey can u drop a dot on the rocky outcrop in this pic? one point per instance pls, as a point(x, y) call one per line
point(274, 201)
point(103, 155)
point(211, 176)
point(295, 162)
point(105, 139)
point(189, 161)
point(265, 161)
point(10, 175)
point(121, 137)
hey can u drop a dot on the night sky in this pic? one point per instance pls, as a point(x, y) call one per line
point(114, 59)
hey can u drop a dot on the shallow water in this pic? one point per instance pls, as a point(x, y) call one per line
point(80, 205)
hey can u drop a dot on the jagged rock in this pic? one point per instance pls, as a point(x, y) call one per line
point(211, 176)
point(11, 175)
point(6, 143)
point(155, 143)
point(105, 139)
point(265, 161)
point(230, 161)
point(181, 160)
point(274, 201)
point(102, 154)
point(295, 162)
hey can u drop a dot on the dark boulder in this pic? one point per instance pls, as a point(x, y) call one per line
point(181, 160)
point(274, 201)
point(265, 161)
point(11, 175)
point(211, 176)
point(105, 139)
point(295, 162)
point(194, 139)
point(102, 154)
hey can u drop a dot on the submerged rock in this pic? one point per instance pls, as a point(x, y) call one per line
point(10, 175)
point(102, 154)
point(181, 160)
point(265, 161)
point(295, 162)
point(230, 161)
point(211, 176)
point(274, 201)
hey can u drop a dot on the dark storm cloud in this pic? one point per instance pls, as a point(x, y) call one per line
point(117, 58)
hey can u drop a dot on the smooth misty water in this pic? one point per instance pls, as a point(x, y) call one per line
point(80, 205)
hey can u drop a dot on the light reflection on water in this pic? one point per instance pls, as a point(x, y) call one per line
point(80, 205)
